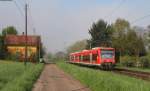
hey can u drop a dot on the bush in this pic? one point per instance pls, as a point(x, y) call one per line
point(128, 61)
point(13, 57)
point(144, 62)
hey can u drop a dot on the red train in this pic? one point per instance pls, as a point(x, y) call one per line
point(102, 57)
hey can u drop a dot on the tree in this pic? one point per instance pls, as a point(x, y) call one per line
point(50, 56)
point(146, 38)
point(100, 34)
point(126, 40)
point(9, 30)
point(42, 51)
point(120, 28)
point(121, 24)
point(135, 44)
point(2, 47)
point(60, 55)
point(77, 46)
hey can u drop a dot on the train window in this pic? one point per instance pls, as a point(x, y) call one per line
point(106, 53)
point(76, 57)
point(72, 57)
point(86, 57)
point(81, 57)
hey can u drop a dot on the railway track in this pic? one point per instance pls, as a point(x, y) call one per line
point(136, 74)
point(131, 73)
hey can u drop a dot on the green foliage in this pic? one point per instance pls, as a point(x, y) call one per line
point(13, 57)
point(16, 77)
point(126, 40)
point(121, 25)
point(140, 62)
point(60, 55)
point(34, 57)
point(144, 62)
point(2, 48)
point(42, 51)
point(98, 80)
point(134, 44)
point(100, 33)
point(50, 55)
point(9, 30)
point(128, 61)
point(120, 28)
point(119, 35)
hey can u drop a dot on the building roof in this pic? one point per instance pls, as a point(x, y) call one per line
point(20, 40)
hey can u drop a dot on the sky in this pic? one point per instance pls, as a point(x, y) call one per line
point(63, 22)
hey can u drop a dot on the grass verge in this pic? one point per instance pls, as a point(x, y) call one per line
point(14, 76)
point(98, 80)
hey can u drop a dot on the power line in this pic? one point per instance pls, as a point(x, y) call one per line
point(115, 9)
point(22, 3)
point(31, 21)
point(18, 7)
point(141, 18)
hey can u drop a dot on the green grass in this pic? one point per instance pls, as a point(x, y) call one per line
point(98, 80)
point(14, 76)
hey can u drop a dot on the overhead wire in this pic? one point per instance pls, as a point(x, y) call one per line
point(18, 7)
point(21, 11)
point(139, 19)
point(120, 4)
point(22, 2)
point(31, 21)
point(115, 9)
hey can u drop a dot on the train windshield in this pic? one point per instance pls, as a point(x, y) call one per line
point(107, 53)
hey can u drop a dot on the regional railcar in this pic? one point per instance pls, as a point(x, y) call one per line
point(102, 57)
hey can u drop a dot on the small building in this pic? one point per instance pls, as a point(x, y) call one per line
point(15, 46)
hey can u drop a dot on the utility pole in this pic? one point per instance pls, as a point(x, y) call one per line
point(39, 49)
point(26, 33)
point(90, 45)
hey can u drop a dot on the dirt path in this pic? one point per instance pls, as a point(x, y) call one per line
point(54, 79)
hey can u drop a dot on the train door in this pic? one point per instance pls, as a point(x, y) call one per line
point(95, 56)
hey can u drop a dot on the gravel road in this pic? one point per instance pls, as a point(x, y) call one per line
point(54, 79)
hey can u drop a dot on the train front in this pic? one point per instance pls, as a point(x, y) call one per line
point(107, 58)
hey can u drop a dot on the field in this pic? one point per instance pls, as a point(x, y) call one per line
point(16, 77)
point(98, 80)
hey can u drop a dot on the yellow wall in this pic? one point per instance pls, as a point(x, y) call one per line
point(21, 50)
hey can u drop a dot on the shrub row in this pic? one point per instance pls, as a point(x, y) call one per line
point(128, 61)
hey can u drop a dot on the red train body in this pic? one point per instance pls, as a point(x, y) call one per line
point(101, 56)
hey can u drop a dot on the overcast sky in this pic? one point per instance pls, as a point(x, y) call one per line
point(62, 22)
